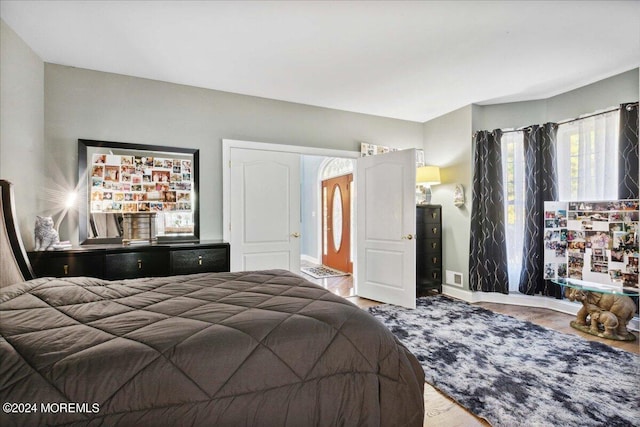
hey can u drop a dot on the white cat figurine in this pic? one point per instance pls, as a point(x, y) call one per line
point(45, 235)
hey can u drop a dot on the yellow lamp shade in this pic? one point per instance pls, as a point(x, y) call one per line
point(428, 175)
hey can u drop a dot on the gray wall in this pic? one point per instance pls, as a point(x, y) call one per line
point(447, 143)
point(22, 153)
point(597, 96)
point(606, 93)
point(88, 104)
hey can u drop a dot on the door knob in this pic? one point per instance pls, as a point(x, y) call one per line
point(296, 234)
point(408, 237)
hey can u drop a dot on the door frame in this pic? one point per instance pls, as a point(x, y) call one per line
point(229, 144)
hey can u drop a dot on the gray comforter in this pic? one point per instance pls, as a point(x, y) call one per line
point(264, 348)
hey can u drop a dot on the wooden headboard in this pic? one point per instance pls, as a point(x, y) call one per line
point(14, 263)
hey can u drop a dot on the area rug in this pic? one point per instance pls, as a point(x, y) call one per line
point(515, 373)
point(322, 272)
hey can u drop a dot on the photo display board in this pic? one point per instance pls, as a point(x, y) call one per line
point(139, 184)
point(123, 183)
point(592, 241)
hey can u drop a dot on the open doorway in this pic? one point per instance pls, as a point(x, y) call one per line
point(327, 246)
point(262, 214)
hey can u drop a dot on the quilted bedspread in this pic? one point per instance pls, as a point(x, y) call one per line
point(264, 348)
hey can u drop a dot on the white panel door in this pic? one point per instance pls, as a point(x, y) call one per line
point(386, 221)
point(265, 210)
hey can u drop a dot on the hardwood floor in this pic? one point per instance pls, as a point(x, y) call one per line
point(557, 321)
point(440, 410)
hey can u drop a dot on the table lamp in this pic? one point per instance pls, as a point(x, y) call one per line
point(426, 176)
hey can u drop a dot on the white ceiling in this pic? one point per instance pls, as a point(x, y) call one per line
point(408, 60)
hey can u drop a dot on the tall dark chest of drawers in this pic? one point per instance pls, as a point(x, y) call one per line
point(428, 248)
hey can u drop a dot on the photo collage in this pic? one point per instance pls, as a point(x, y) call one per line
point(592, 241)
point(128, 184)
point(372, 149)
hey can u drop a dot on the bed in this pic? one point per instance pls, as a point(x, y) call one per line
point(240, 349)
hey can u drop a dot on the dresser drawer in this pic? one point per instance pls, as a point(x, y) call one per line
point(428, 246)
point(136, 264)
point(435, 274)
point(428, 215)
point(429, 270)
point(430, 278)
point(433, 245)
point(188, 261)
point(56, 264)
point(434, 260)
point(430, 259)
point(429, 231)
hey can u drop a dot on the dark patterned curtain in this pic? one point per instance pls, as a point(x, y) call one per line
point(628, 152)
point(488, 251)
point(540, 185)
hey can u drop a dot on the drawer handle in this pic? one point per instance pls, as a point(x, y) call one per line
point(139, 264)
point(434, 245)
point(66, 269)
point(200, 259)
point(434, 275)
point(434, 260)
point(434, 214)
point(435, 230)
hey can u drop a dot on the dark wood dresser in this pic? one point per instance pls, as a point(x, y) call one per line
point(128, 262)
point(428, 248)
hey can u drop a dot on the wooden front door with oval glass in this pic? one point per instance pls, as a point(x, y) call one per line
point(336, 223)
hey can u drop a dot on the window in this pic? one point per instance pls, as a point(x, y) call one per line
point(337, 167)
point(513, 187)
point(587, 158)
point(587, 169)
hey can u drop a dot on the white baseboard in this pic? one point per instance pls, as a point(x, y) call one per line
point(560, 305)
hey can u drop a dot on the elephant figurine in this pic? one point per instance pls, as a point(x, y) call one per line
point(608, 320)
point(621, 306)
